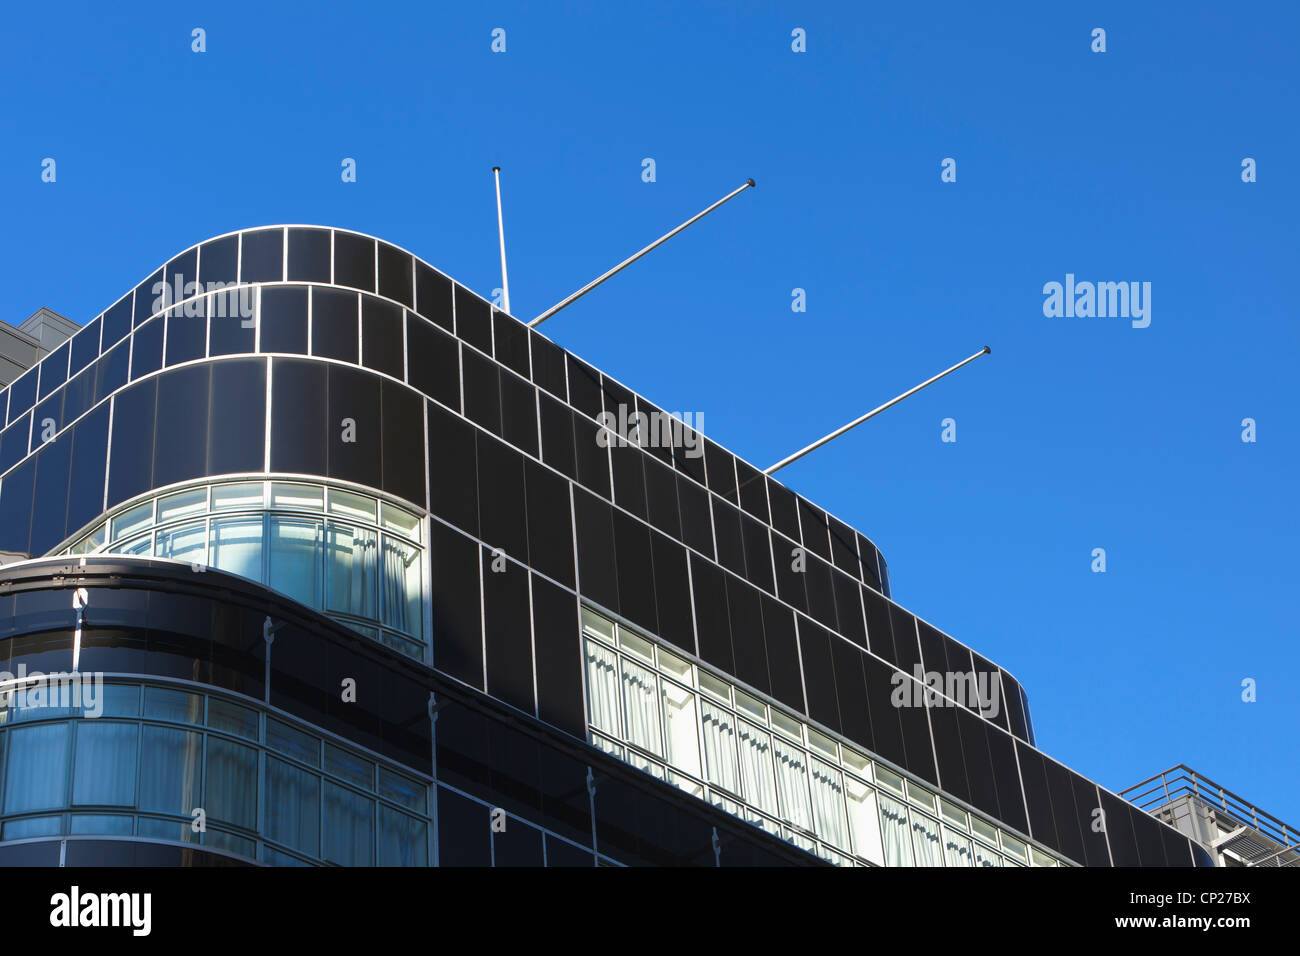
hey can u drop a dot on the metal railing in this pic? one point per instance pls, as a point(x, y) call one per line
point(1224, 810)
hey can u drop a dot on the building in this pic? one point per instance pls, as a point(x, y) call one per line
point(372, 573)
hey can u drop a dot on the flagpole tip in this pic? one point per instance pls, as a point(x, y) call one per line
point(751, 182)
point(496, 169)
point(987, 350)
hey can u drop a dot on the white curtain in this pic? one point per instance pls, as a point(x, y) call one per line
point(351, 570)
point(719, 746)
point(828, 803)
point(296, 559)
point(401, 586)
point(986, 857)
point(602, 690)
point(237, 546)
point(925, 832)
point(956, 849)
point(641, 707)
point(756, 767)
point(893, 823)
point(863, 821)
point(681, 728)
point(792, 784)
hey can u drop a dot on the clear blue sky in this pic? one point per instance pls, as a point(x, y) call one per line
point(1075, 434)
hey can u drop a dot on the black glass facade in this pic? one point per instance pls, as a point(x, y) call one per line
point(337, 358)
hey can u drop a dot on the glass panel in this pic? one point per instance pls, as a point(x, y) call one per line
point(922, 797)
point(165, 830)
point(232, 783)
point(403, 607)
point(856, 762)
point(956, 849)
point(889, 779)
point(296, 554)
point(828, 804)
point(602, 689)
point(594, 624)
point(984, 856)
point(173, 705)
point(823, 744)
point(36, 777)
point(292, 806)
point(220, 840)
point(34, 827)
point(140, 545)
point(863, 822)
point(757, 774)
point(353, 506)
point(986, 830)
point(636, 645)
point(1013, 847)
point(403, 840)
point(396, 519)
point(351, 570)
point(719, 746)
point(925, 833)
point(751, 706)
point(121, 700)
point(401, 789)
point(128, 522)
point(292, 742)
point(106, 764)
point(641, 707)
point(179, 505)
point(300, 497)
point(237, 546)
point(674, 665)
point(349, 767)
point(719, 689)
point(1040, 858)
point(952, 813)
point(188, 542)
point(787, 725)
point(231, 497)
point(233, 719)
point(681, 728)
point(111, 824)
point(792, 783)
point(894, 825)
point(349, 826)
point(170, 774)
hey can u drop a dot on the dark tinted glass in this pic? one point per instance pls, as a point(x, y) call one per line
point(181, 435)
point(86, 478)
point(661, 498)
point(133, 420)
point(821, 597)
point(697, 528)
point(381, 336)
point(1119, 831)
point(980, 771)
point(907, 651)
point(519, 412)
point(753, 490)
point(261, 258)
point(948, 750)
point(712, 618)
point(148, 298)
point(473, 320)
point(22, 394)
point(232, 321)
point(482, 389)
point(54, 370)
point(50, 504)
point(433, 295)
point(111, 370)
point(633, 565)
point(672, 592)
point(848, 608)
point(146, 348)
point(790, 561)
point(885, 728)
point(1066, 814)
point(433, 360)
point(309, 255)
point(283, 319)
point(584, 387)
point(593, 461)
point(747, 635)
point(13, 442)
point(334, 324)
point(550, 529)
point(782, 654)
point(510, 339)
point(219, 261)
point(117, 321)
point(354, 261)
point(813, 523)
point(629, 478)
point(851, 692)
point(758, 552)
point(354, 427)
point(501, 498)
point(557, 435)
point(507, 632)
point(187, 338)
point(298, 423)
point(395, 274)
point(16, 509)
point(594, 526)
point(548, 365)
point(464, 831)
point(844, 548)
point(688, 456)
point(726, 525)
point(453, 472)
point(559, 663)
point(403, 442)
point(85, 346)
point(457, 619)
point(237, 434)
point(721, 466)
point(818, 674)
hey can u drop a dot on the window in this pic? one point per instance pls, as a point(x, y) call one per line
point(364, 564)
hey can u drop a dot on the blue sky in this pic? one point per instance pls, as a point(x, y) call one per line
point(1075, 434)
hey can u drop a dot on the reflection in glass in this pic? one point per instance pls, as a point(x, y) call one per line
point(105, 765)
point(292, 806)
point(602, 689)
point(237, 546)
point(36, 777)
point(792, 783)
point(680, 728)
point(170, 776)
point(349, 826)
point(183, 543)
point(756, 767)
point(352, 570)
point(402, 597)
point(232, 783)
point(296, 546)
point(719, 746)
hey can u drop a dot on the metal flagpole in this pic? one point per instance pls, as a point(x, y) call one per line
point(631, 259)
point(875, 411)
point(501, 231)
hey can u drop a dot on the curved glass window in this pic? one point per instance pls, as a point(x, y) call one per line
point(264, 791)
point(361, 561)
